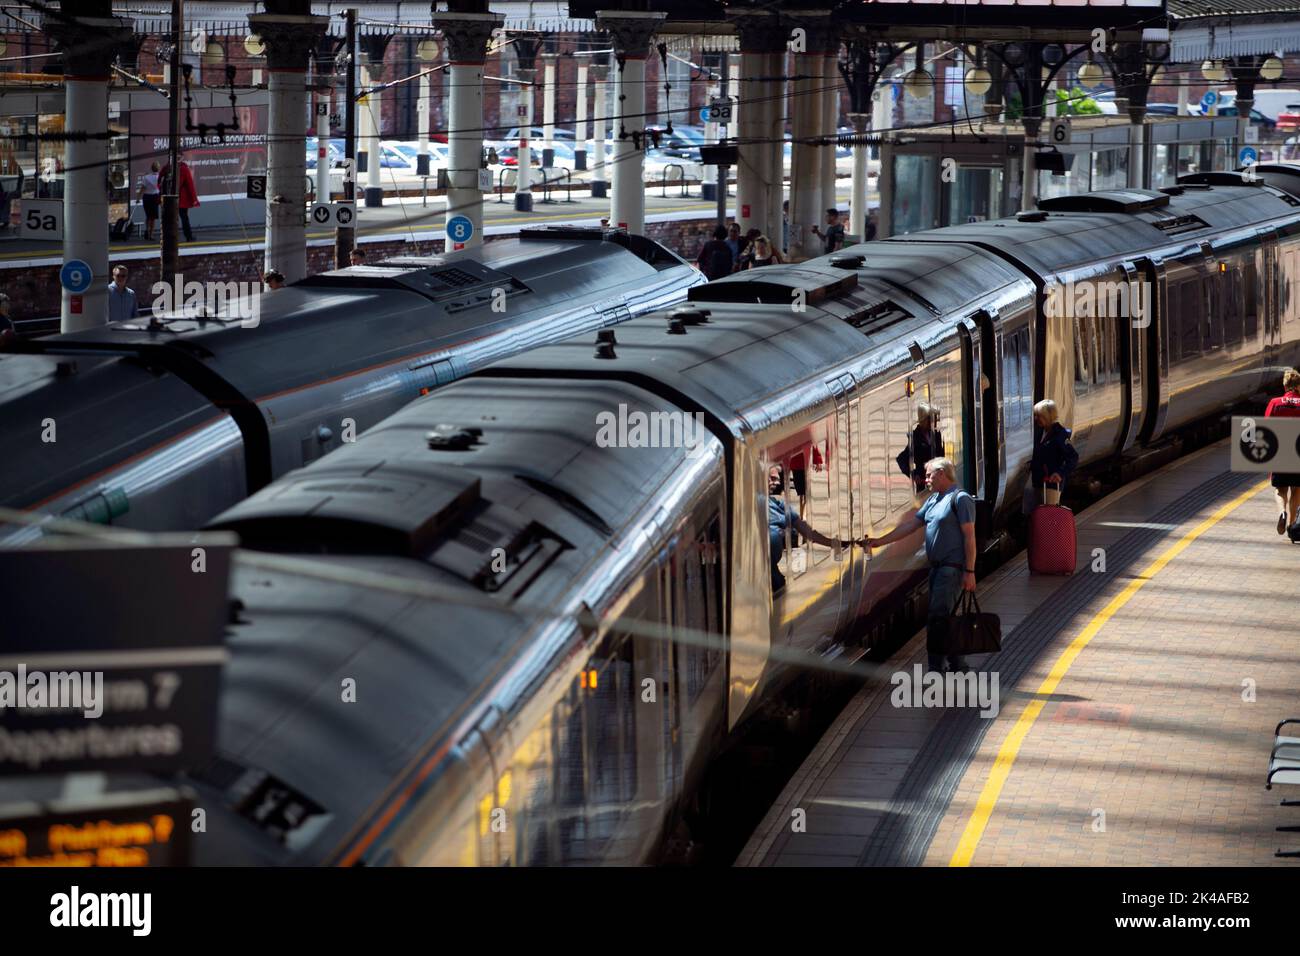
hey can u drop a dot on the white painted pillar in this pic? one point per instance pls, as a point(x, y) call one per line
point(858, 189)
point(627, 208)
point(831, 85)
point(778, 69)
point(580, 126)
point(548, 109)
point(467, 38)
point(286, 175)
point(370, 106)
point(599, 138)
point(524, 157)
point(751, 175)
point(85, 198)
point(422, 110)
point(805, 159)
point(322, 148)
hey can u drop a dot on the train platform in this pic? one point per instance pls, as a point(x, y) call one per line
point(1131, 719)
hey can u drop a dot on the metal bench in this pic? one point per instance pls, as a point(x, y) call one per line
point(1284, 768)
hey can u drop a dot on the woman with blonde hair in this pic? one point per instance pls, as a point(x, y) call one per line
point(1286, 485)
point(1054, 458)
point(760, 253)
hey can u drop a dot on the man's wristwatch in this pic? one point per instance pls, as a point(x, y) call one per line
point(970, 570)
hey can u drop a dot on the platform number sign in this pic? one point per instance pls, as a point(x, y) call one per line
point(720, 111)
point(1060, 132)
point(42, 219)
point(76, 276)
point(459, 229)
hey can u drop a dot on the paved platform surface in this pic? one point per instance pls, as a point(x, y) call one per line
point(1137, 706)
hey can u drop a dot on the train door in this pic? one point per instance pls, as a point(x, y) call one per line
point(983, 396)
point(1156, 350)
point(670, 695)
point(845, 455)
point(1270, 300)
point(1132, 349)
point(972, 423)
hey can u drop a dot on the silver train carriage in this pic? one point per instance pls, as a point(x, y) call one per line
point(161, 423)
point(573, 511)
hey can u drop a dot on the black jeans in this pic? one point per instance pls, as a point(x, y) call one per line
point(185, 225)
point(945, 588)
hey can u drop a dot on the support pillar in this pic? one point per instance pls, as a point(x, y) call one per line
point(290, 40)
point(806, 117)
point(599, 129)
point(631, 32)
point(422, 111)
point(88, 44)
point(580, 125)
point(526, 50)
point(830, 122)
point(858, 213)
point(762, 38)
point(373, 46)
point(548, 109)
point(467, 36)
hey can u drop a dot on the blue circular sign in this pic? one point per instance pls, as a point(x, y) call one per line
point(704, 114)
point(76, 276)
point(1247, 155)
point(1209, 99)
point(459, 229)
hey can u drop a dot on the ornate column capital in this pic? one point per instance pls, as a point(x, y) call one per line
point(290, 39)
point(89, 44)
point(760, 31)
point(629, 30)
point(467, 34)
point(821, 34)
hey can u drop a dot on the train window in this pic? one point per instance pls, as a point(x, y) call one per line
point(818, 507)
point(1081, 375)
point(1234, 303)
point(609, 699)
point(882, 464)
point(1210, 287)
point(702, 568)
point(1249, 285)
point(901, 492)
point(1185, 311)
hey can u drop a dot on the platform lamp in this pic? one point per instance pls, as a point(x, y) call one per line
point(1214, 71)
point(254, 47)
point(427, 50)
point(1270, 70)
point(918, 83)
point(1091, 74)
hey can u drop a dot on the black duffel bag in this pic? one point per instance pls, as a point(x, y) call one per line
point(970, 630)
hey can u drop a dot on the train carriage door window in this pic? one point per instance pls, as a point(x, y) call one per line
point(610, 697)
point(901, 422)
point(818, 501)
point(1251, 300)
point(1235, 299)
point(882, 464)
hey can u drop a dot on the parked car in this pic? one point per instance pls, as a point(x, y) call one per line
point(538, 133)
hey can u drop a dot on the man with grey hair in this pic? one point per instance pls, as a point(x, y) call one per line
point(948, 517)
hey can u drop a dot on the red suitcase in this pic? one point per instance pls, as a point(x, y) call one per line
point(1052, 541)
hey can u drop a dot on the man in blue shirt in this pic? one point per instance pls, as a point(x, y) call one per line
point(121, 300)
point(781, 516)
point(948, 517)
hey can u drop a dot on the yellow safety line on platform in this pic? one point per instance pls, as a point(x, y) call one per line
point(1010, 748)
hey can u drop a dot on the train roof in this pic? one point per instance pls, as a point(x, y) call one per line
point(870, 298)
point(398, 507)
point(1071, 231)
point(360, 317)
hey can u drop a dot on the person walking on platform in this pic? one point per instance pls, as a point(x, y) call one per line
point(187, 195)
point(1286, 485)
point(948, 517)
point(1054, 458)
point(715, 259)
point(150, 197)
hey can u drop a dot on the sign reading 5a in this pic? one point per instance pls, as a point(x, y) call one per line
point(42, 219)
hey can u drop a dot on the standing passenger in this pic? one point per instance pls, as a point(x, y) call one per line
point(121, 300)
point(948, 517)
point(150, 197)
point(1286, 485)
point(1054, 458)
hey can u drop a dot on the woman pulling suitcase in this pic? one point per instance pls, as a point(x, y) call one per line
point(1052, 540)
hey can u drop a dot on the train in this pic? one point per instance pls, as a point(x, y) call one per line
point(549, 584)
point(162, 422)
